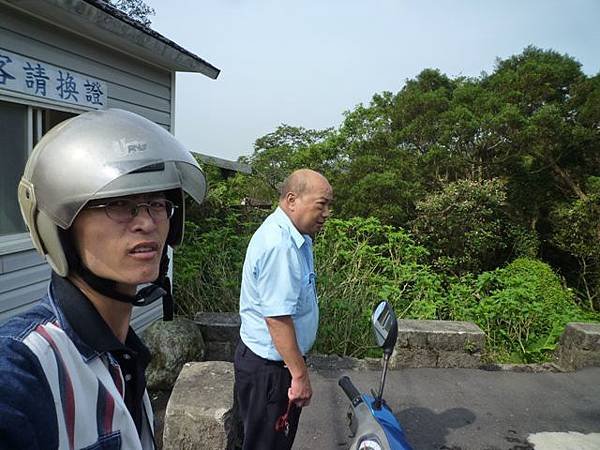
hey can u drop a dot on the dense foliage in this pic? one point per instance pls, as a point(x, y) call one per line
point(358, 262)
point(523, 308)
point(209, 262)
point(478, 198)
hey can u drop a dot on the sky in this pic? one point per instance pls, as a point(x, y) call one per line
point(305, 62)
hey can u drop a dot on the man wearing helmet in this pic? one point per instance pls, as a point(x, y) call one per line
point(102, 196)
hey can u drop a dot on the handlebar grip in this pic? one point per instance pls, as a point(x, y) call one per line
point(350, 390)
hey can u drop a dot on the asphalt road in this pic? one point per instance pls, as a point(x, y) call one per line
point(465, 409)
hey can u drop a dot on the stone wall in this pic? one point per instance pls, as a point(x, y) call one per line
point(221, 332)
point(437, 343)
point(200, 412)
point(579, 346)
point(421, 343)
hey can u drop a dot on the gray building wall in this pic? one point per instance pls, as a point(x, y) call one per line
point(131, 83)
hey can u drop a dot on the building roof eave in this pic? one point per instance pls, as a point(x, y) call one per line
point(98, 20)
point(234, 166)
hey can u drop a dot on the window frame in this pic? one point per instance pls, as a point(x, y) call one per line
point(18, 242)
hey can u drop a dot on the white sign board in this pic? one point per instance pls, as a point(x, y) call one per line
point(28, 76)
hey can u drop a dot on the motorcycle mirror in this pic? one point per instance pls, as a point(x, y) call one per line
point(385, 327)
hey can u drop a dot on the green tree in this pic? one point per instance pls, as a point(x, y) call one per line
point(577, 232)
point(431, 156)
point(553, 143)
point(377, 176)
point(278, 154)
point(465, 226)
point(136, 9)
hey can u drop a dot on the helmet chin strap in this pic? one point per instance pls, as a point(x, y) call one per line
point(161, 287)
point(144, 297)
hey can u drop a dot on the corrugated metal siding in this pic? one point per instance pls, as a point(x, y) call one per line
point(143, 317)
point(23, 279)
point(132, 85)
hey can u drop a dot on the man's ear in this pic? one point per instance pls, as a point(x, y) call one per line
point(290, 198)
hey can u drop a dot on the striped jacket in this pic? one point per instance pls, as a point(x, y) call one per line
point(58, 393)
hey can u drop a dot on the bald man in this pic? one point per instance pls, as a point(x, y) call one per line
point(280, 314)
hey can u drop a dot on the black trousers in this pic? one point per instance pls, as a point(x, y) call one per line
point(261, 391)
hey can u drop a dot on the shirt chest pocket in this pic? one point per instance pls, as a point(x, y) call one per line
point(308, 294)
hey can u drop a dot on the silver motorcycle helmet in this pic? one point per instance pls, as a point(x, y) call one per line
point(99, 155)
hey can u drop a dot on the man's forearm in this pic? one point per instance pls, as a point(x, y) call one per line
point(283, 334)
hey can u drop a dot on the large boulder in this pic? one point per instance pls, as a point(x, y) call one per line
point(172, 344)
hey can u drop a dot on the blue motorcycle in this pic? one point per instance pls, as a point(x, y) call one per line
point(372, 424)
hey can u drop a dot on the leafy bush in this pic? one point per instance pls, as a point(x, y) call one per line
point(359, 262)
point(523, 308)
point(208, 265)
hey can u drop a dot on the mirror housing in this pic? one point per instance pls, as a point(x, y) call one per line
point(385, 327)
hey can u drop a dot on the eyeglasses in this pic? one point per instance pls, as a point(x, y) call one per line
point(124, 211)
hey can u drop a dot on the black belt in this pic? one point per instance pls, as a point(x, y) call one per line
point(246, 352)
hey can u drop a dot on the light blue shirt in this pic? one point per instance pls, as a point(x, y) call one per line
point(278, 279)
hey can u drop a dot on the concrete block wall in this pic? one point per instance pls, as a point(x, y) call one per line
point(221, 332)
point(437, 343)
point(200, 413)
point(579, 346)
point(422, 343)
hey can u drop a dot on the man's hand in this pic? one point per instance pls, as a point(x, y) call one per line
point(283, 334)
point(300, 392)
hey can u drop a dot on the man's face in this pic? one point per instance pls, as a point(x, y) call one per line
point(126, 252)
point(310, 210)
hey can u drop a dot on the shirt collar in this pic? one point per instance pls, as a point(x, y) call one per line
point(284, 220)
point(90, 333)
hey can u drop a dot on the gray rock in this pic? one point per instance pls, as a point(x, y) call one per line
point(172, 344)
point(334, 362)
point(200, 410)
